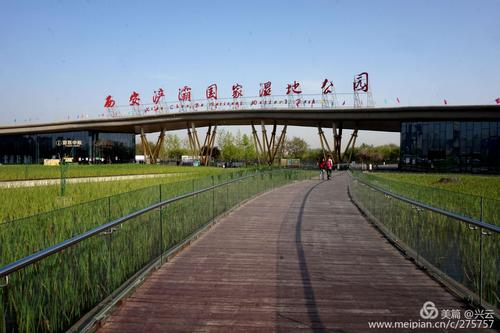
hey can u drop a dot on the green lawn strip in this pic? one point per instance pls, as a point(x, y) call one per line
point(475, 196)
point(482, 185)
point(30, 172)
point(17, 203)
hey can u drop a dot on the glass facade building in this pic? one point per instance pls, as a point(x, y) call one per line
point(78, 146)
point(451, 146)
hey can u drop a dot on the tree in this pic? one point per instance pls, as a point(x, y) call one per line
point(371, 154)
point(248, 148)
point(390, 153)
point(173, 147)
point(227, 146)
point(139, 148)
point(295, 148)
point(313, 155)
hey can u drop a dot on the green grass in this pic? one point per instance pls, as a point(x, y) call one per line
point(20, 202)
point(485, 186)
point(471, 195)
point(51, 295)
point(28, 172)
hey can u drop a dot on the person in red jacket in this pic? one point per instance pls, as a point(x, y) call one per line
point(329, 167)
point(322, 166)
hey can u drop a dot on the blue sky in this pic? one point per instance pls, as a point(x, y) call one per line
point(62, 58)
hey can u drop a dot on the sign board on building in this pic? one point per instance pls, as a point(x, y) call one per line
point(69, 143)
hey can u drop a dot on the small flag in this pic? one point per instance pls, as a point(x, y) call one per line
point(497, 100)
point(445, 102)
point(397, 100)
point(343, 103)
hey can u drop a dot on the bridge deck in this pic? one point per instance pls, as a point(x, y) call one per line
point(300, 258)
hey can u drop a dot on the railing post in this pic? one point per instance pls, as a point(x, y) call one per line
point(418, 233)
point(193, 201)
point(63, 178)
point(110, 260)
point(226, 203)
point(213, 198)
point(4, 305)
point(109, 208)
point(237, 192)
point(161, 230)
point(481, 256)
point(480, 266)
point(271, 180)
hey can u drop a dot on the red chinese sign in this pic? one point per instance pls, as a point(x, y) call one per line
point(326, 87)
point(158, 95)
point(360, 82)
point(265, 89)
point(109, 103)
point(211, 92)
point(293, 88)
point(134, 99)
point(237, 90)
point(184, 94)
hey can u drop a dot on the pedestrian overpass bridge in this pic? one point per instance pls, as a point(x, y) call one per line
point(276, 112)
point(386, 119)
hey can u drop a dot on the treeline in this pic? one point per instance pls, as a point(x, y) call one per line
point(240, 147)
point(376, 154)
point(363, 154)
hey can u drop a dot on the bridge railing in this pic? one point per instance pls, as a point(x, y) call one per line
point(50, 290)
point(42, 230)
point(465, 204)
point(275, 102)
point(461, 251)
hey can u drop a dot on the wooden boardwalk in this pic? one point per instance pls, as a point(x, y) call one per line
point(300, 258)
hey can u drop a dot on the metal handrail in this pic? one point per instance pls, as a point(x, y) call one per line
point(37, 256)
point(462, 218)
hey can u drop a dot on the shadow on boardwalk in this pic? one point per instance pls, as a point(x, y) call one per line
point(309, 297)
point(297, 259)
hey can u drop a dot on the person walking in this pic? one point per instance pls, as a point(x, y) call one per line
point(329, 167)
point(322, 166)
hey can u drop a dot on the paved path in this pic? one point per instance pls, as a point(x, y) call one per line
point(76, 180)
point(297, 259)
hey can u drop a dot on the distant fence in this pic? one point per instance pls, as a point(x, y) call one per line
point(49, 290)
point(461, 249)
